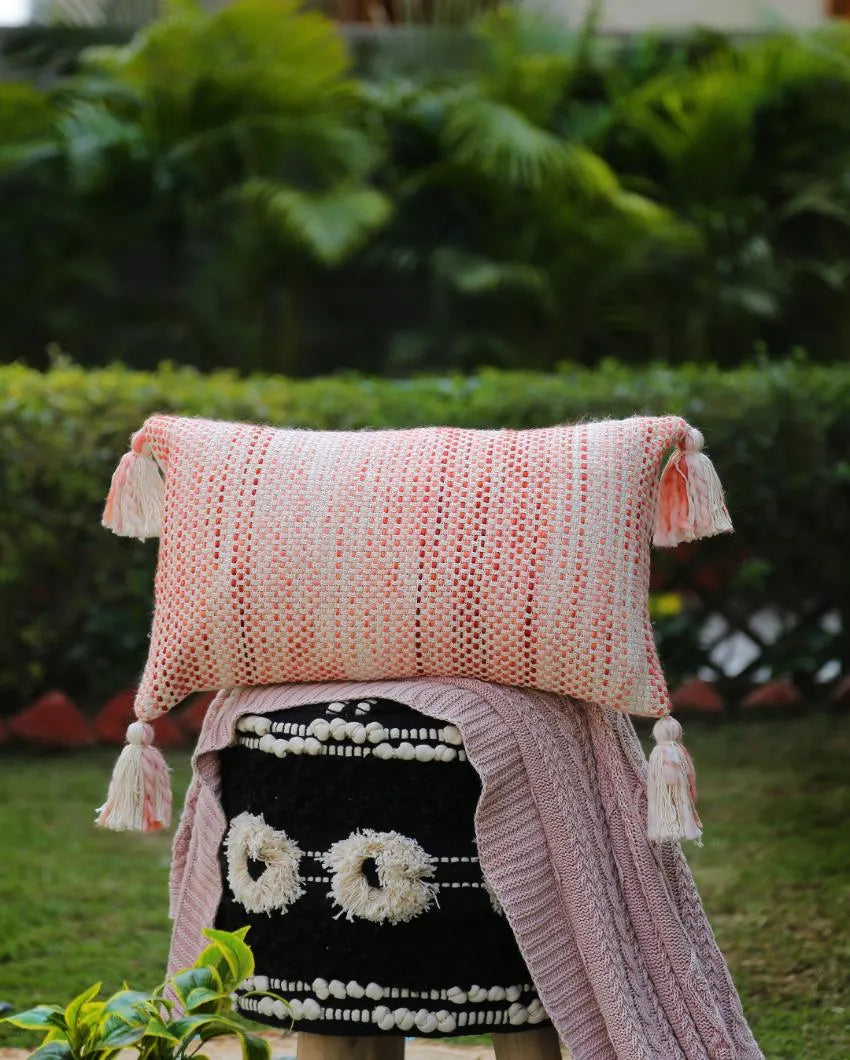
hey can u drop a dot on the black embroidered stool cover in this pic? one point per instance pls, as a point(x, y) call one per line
point(350, 851)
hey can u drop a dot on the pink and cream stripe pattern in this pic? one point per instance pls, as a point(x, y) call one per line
point(517, 557)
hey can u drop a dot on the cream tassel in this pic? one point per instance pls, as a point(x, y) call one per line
point(690, 500)
point(139, 798)
point(137, 494)
point(671, 789)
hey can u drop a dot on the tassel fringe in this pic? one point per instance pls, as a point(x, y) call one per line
point(137, 494)
point(139, 798)
point(671, 787)
point(690, 501)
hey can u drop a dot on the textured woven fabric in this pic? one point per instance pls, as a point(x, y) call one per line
point(611, 927)
point(518, 557)
point(314, 797)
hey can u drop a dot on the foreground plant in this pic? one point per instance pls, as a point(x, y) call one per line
point(174, 1021)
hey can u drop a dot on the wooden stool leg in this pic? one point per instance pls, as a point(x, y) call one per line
point(368, 1047)
point(542, 1044)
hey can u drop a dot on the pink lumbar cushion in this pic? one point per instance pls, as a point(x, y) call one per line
point(520, 557)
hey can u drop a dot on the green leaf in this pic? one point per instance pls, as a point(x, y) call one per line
point(477, 275)
point(26, 113)
point(212, 1026)
point(20, 156)
point(254, 1047)
point(117, 1032)
point(499, 142)
point(42, 1017)
point(325, 150)
point(53, 1051)
point(126, 1016)
point(157, 1029)
point(328, 225)
point(75, 1007)
point(205, 978)
point(199, 1024)
point(93, 135)
point(228, 947)
point(127, 1002)
point(202, 996)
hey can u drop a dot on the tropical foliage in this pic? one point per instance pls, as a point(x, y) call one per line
point(199, 174)
point(224, 190)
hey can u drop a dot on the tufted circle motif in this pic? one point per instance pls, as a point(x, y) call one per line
point(403, 870)
point(249, 838)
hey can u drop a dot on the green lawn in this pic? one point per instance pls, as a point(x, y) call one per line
point(775, 875)
point(78, 904)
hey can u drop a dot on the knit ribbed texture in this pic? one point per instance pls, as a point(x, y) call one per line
point(611, 928)
point(519, 557)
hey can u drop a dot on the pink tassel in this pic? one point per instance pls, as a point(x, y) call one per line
point(671, 787)
point(136, 496)
point(690, 501)
point(139, 798)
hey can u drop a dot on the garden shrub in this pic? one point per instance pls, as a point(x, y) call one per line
point(227, 191)
point(76, 602)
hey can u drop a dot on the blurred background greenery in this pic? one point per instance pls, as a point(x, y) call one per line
point(231, 189)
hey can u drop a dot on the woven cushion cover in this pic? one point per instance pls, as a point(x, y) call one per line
point(519, 557)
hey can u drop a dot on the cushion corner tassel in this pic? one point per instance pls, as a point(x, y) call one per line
point(671, 787)
point(691, 504)
point(139, 797)
point(137, 493)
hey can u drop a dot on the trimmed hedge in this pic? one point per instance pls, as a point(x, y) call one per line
point(75, 601)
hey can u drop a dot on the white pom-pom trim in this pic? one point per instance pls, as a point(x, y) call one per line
point(331, 736)
point(425, 1020)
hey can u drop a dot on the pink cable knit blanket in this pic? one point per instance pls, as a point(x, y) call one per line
point(611, 927)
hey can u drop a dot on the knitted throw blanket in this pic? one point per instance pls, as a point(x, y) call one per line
point(611, 926)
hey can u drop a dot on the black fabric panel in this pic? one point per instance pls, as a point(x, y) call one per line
point(318, 800)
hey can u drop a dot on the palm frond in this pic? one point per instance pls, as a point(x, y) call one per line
point(701, 126)
point(265, 51)
point(499, 142)
point(818, 199)
point(328, 225)
point(475, 274)
point(320, 150)
point(27, 132)
point(25, 112)
point(528, 60)
point(92, 135)
point(702, 122)
point(17, 158)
